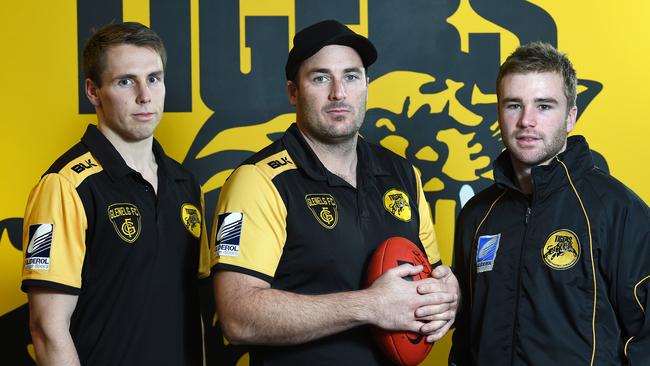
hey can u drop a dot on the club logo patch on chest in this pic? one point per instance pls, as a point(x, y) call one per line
point(126, 221)
point(324, 208)
point(191, 217)
point(397, 203)
point(561, 250)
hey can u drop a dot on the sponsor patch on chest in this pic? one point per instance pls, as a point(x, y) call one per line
point(561, 250)
point(191, 217)
point(324, 208)
point(397, 203)
point(37, 254)
point(125, 218)
point(486, 252)
point(229, 228)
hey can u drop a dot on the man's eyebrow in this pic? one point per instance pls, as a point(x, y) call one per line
point(353, 69)
point(156, 73)
point(546, 100)
point(133, 76)
point(319, 70)
point(536, 100)
point(124, 76)
point(323, 70)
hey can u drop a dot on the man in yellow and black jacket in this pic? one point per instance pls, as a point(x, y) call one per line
point(553, 260)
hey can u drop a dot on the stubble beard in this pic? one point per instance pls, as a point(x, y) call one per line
point(327, 131)
point(539, 156)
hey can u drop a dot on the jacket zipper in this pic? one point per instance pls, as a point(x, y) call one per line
point(521, 260)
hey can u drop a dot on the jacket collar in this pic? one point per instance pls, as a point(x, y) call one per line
point(548, 178)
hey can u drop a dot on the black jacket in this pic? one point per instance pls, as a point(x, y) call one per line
point(557, 278)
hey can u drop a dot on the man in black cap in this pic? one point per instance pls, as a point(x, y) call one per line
point(297, 223)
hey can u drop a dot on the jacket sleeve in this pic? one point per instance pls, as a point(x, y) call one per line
point(459, 354)
point(629, 239)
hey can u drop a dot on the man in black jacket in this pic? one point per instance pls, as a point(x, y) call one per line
point(553, 259)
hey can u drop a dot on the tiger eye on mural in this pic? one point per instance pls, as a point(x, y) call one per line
point(432, 99)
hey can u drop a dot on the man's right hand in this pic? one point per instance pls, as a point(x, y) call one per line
point(394, 300)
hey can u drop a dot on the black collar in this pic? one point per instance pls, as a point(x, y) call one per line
point(113, 163)
point(547, 178)
point(305, 158)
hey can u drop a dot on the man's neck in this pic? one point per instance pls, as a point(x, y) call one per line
point(339, 158)
point(523, 178)
point(138, 155)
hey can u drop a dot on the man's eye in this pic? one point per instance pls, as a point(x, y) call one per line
point(513, 106)
point(124, 82)
point(320, 79)
point(544, 107)
point(351, 77)
point(154, 79)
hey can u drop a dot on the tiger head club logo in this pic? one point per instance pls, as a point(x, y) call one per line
point(324, 208)
point(561, 250)
point(191, 217)
point(397, 204)
point(125, 218)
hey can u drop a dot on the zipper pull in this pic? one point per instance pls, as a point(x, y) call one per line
point(527, 215)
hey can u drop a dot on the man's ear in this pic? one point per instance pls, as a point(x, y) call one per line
point(571, 119)
point(292, 92)
point(92, 93)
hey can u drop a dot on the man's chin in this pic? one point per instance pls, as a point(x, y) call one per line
point(529, 160)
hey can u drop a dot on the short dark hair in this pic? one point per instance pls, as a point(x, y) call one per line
point(541, 57)
point(94, 52)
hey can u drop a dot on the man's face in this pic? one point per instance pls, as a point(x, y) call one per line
point(130, 102)
point(533, 117)
point(330, 95)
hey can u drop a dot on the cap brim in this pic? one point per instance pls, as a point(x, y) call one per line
point(362, 45)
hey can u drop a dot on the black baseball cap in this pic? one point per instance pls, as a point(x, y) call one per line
point(310, 40)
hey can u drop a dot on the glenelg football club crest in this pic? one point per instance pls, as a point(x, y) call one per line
point(561, 250)
point(126, 221)
point(324, 208)
point(397, 203)
point(191, 217)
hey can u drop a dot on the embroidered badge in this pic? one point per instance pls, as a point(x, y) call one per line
point(126, 221)
point(397, 203)
point(486, 252)
point(229, 228)
point(324, 208)
point(191, 217)
point(561, 250)
point(37, 254)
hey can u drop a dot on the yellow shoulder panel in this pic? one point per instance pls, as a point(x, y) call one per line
point(81, 168)
point(55, 204)
point(250, 197)
point(276, 164)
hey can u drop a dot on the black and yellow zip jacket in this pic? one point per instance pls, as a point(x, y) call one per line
point(560, 277)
